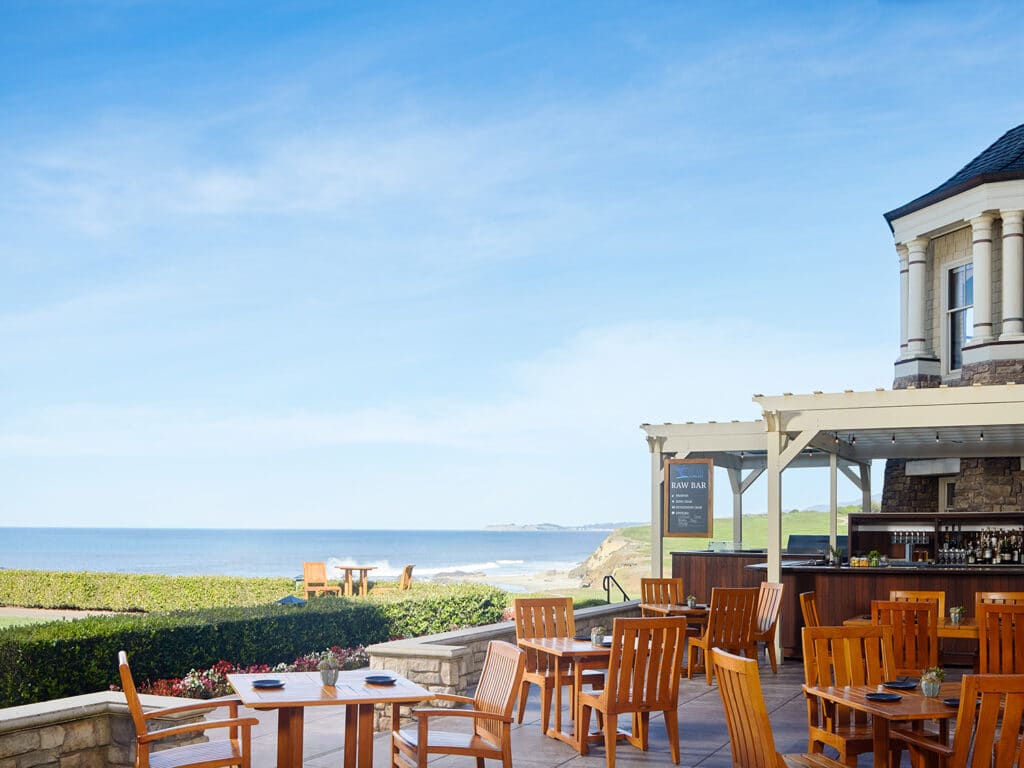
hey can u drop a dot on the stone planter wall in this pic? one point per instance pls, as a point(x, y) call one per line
point(90, 731)
point(450, 662)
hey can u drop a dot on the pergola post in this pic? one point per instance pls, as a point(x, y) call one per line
point(833, 499)
point(736, 481)
point(865, 486)
point(657, 556)
point(774, 467)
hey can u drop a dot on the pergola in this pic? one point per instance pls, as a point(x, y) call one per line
point(843, 431)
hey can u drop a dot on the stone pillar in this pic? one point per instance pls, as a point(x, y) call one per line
point(917, 250)
point(904, 287)
point(1013, 275)
point(981, 228)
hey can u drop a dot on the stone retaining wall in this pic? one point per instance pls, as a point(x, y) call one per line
point(90, 731)
point(450, 662)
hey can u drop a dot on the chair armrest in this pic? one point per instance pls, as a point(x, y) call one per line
point(241, 722)
point(228, 701)
point(916, 740)
point(452, 697)
point(474, 713)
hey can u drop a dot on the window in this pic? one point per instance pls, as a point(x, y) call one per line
point(947, 492)
point(960, 313)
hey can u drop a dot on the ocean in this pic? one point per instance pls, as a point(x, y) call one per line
point(190, 551)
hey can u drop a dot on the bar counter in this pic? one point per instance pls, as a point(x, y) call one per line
point(841, 592)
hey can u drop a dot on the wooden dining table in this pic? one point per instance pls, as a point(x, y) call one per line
point(914, 707)
point(582, 655)
point(305, 689)
point(364, 578)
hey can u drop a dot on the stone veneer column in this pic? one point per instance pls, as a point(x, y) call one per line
point(981, 230)
point(904, 287)
point(916, 260)
point(1013, 275)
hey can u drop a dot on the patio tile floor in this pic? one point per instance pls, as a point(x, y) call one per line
point(704, 737)
point(703, 734)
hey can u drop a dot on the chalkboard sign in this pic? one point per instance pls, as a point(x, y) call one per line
point(688, 498)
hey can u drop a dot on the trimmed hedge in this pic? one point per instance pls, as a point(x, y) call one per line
point(66, 658)
point(84, 590)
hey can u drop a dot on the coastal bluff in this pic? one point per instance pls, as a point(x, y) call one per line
point(625, 557)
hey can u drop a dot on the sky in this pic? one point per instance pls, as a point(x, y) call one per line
point(430, 265)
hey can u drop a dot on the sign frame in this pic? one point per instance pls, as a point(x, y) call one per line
point(704, 499)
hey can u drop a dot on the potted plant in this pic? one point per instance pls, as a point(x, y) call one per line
point(597, 635)
point(329, 666)
point(956, 614)
point(931, 680)
point(835, 557)
point(874, 557)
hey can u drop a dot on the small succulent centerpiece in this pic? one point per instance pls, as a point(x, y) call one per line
point(835, 557)
point(329, 666)
point(931, 680)
point(956, 614)
point(691, 601)
point(597, 635)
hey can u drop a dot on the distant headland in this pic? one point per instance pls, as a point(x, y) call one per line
point(554, 527)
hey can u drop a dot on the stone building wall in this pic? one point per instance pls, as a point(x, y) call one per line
point(983, 485)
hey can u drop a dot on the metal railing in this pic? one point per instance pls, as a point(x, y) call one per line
point(606, 585)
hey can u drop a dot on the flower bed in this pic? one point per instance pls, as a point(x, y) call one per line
point(213, 682)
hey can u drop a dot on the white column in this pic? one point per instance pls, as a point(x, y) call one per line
point(903, 252)
point(981, 229)
point(1013, 274)
point(917, 250)
point(736, 482)
point(655, 444)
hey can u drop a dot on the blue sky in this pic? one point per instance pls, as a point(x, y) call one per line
point(363, 265)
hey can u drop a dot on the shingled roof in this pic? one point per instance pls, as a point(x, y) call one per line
point(1003, 161)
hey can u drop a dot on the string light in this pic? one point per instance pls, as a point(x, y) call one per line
point(981, 437)
point(894, 438)
point(853, 439)
point(936, 437)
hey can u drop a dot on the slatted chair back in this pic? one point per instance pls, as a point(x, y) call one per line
point(405, 580)
point(661, 590)
point(915, 627)
point(809, 609)
point(750, 730)
point(769, 603)
point(643, 668)
point(988, 723)
point(843, 656)
point(1001, 638)
point(732, 617)
point(921, 594)
point(542, 617)
point(496, 691)
point(997, 598)
point(314, 576)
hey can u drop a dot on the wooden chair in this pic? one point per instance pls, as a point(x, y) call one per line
point(921, 594)
point(235, 750)
point(660, 591)
point(732, 616)
point(988, 727)
point(997, 598)
point(314, 576)
point(546, 617)
point(490, 710)
point(844, 656)
point(769, 602)
point(404, 582)
point(915, 628)
point(809, 609)
point(643, 677)
point(1001, 638)
point(750, 730)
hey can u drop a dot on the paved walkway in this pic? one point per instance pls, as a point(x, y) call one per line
point(702, 731)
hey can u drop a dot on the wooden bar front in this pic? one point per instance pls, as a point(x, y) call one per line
point(841, 592)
